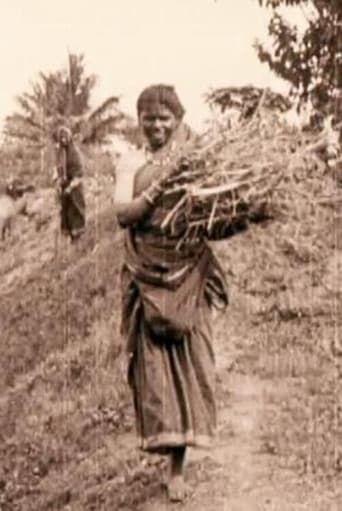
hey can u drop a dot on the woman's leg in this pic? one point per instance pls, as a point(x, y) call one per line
point(177, 489)
point(76, 215)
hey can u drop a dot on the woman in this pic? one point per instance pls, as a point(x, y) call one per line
point(167, 299)
point(70, 188)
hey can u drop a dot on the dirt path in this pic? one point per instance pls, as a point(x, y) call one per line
point(106, 472)
point(240, 473)
point(229, 475)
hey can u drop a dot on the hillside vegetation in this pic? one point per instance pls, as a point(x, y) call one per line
point(66, 418)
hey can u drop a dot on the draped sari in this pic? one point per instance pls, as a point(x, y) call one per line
point(69, 169)
point(167, 301)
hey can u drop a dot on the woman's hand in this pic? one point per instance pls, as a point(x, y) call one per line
point(153, 192)
point(130, 213)
point(74, 183)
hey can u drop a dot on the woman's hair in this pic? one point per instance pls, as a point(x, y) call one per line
point(160, 94)
point(66, 131)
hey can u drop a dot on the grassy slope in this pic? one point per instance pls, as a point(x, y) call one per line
point(66, 421)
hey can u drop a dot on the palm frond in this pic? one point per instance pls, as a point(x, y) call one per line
point(98, 131)
point(107, 107)
point(24, 120)
point(17, 132)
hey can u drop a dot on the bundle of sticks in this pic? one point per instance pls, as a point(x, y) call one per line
point(234, 177)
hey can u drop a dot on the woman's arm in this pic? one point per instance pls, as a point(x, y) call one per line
point(223, 230)
point(259, 212)
point(132, 211)
point(129, 213)
point(129, 209)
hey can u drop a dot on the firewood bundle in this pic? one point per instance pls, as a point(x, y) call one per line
point(235, 177)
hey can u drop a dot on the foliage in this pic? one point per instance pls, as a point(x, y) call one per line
point(246, 99)
point(312, 61)
point(59, 97)
point(63, 97)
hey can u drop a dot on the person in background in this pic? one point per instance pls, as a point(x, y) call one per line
point(68, 176)
point(168, 297)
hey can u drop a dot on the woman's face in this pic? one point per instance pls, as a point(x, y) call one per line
point(63, 138)
point(158, 123)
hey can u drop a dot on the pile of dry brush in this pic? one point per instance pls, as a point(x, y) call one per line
point(260, 170)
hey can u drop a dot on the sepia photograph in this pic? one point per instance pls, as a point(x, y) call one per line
point(171, 255)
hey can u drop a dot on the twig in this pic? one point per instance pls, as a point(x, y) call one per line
point(212, 214)
point(173, 211)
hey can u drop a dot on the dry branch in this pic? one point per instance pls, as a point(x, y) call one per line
point(237, 176)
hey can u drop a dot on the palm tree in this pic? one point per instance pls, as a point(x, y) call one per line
point(63, 97)
point(60, 97)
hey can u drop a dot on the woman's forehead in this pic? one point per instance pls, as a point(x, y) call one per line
point(64, 132)
point(156, 109)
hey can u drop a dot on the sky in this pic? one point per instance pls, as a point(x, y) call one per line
point(194, 45)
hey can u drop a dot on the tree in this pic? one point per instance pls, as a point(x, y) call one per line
point(246, 99)
point(312, 61)
point(63, 97)
point(60, 97)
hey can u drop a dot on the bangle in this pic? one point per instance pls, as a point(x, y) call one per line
point(148, 198)
point(155, 186)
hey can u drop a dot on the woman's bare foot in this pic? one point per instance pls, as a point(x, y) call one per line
point(177, 489)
